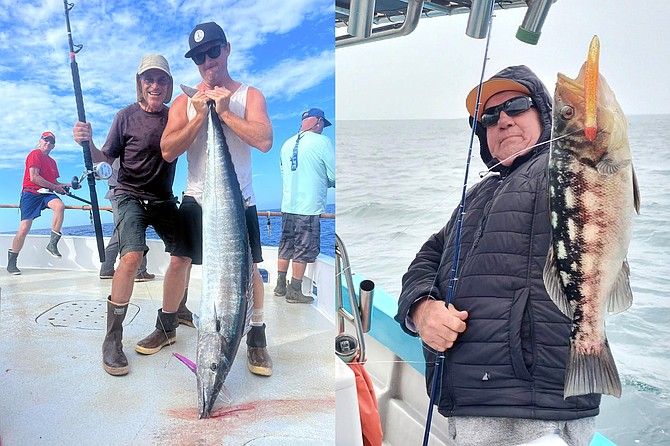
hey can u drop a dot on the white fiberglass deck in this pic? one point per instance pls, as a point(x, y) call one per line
point(54, 390)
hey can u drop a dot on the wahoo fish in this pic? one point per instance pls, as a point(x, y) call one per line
point(227, 285)
point(593, 194)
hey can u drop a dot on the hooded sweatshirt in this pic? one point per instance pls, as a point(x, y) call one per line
point(511, 359)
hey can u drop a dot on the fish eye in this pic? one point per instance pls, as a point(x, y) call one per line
point(567, 112)
point(213, 367)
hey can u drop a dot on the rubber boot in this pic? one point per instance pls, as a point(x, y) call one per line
point(164, 334)
point(52, 247)
point(114, 361)
point(294, 293)
point(258, 358)
point(184, 315)
point(12, 257)
point(280, 289)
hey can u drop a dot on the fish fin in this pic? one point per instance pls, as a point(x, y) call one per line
point(608, 167)
point(552, 282)
point(189, 91)
point(636, 193)
point(225, 395)
point(621, 296)
point(585, 374)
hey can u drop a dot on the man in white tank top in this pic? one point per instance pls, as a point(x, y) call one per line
point(244, 112)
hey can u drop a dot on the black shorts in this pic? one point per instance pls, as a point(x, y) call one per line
point(300, 237)
point(188, 242)
point(135, 214)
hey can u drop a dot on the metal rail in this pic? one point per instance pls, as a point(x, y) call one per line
point(362, 312)
point(108, 208)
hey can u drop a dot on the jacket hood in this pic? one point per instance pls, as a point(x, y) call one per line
point(542, 101)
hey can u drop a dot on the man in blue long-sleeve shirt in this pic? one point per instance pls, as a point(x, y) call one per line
point(307, 164)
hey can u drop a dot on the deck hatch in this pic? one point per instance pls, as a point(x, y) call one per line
point(84, 314)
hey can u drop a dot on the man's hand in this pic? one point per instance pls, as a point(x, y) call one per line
point(199, 102)
point(82, 132)
point(60, 189)
point(221, 97)
point(437, 324)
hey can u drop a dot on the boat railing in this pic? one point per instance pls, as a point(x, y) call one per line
point(361, 310)
point(108, 208)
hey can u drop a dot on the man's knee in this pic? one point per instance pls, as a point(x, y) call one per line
point(179, 264)
point(57, 206)
point(24, 227)
point(132, 259)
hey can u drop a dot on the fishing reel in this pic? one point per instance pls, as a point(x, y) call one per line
point(101, 171)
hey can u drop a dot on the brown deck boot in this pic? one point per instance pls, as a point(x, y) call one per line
point(52, 247)
point(12, 257)
point(114, 361)
point(164, 334)
point(258, 358)
point(144, 276)
point(184, 315)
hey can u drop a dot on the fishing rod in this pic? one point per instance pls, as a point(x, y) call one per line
point(441, 356)
point(88, 163)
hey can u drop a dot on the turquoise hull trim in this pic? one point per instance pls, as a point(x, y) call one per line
point(388, 332)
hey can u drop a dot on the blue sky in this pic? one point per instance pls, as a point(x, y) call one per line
point(285, 48)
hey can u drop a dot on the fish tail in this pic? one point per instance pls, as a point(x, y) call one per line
point(586, 374)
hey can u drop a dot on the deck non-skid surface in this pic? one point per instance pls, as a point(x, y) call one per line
point(54, 391)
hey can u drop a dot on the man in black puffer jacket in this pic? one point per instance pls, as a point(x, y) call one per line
point(503, 375)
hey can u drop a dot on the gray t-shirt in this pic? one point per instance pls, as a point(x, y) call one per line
point(135, 138)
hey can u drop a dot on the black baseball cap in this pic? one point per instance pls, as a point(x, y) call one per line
point(202, 34)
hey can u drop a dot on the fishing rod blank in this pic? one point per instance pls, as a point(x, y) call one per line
point(88, 163)
point(440, 357)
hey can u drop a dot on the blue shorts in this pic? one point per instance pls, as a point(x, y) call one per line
point(135, 215)
point(32, 205)
point(300, 237)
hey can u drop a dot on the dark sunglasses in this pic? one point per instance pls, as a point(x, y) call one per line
point(213, 53)
point(161, 80)
point(511, 107)
point(49, 139)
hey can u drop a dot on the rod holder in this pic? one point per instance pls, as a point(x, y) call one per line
point(478, 20)
point(531, 26)
point(361, 13)
point(365, 296)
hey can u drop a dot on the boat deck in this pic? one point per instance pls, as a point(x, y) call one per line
point(54, 390)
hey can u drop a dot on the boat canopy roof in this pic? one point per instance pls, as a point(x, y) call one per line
point(369, 20)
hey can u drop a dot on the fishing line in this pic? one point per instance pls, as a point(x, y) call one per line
point(483, 173)
point(440, 356)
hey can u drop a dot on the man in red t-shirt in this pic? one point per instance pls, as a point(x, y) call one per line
point(39, 184)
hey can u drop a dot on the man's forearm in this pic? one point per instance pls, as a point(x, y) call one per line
point(256, 134)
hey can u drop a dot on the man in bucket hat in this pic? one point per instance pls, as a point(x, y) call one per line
point(243, 110)
point(39, 184)
point(144, 197)
point(307, 165)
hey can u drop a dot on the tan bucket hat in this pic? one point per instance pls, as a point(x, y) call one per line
point(148, 62)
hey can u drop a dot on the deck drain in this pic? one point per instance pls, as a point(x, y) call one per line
point(86, 314)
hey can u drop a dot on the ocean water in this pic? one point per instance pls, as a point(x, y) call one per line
point(398, 183)
point(269, 234)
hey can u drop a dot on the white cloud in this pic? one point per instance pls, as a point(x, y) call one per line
point(293, 76)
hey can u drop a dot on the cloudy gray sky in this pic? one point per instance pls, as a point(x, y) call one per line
point(428, 73)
